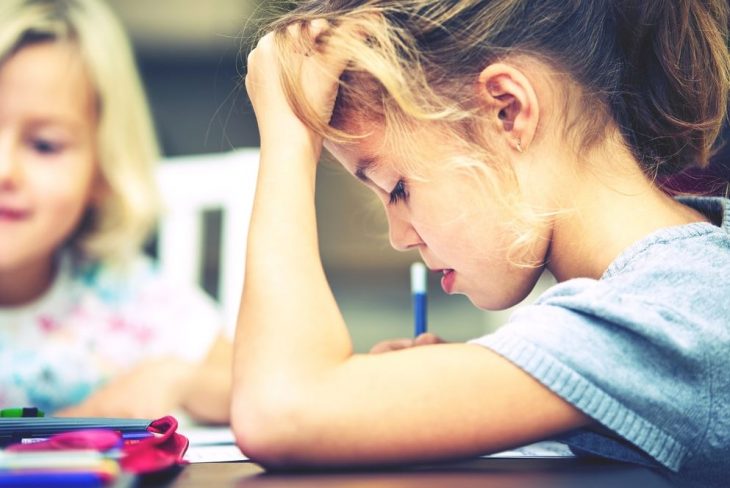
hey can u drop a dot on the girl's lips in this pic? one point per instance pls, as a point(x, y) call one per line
point(447, 280)
point(12, 214)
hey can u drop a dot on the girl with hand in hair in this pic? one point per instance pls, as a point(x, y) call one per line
point(503, 137)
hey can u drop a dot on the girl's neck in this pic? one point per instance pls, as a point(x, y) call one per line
point(25, 283)
point(611, 206)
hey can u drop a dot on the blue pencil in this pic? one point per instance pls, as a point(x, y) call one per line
point(420, 302)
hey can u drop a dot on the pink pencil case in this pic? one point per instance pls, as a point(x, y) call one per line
point(162, 450)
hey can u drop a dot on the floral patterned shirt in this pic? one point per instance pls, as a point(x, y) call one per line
point(94, 323)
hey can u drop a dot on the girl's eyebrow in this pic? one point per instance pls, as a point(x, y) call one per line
point(363, 165)
point(52, 121)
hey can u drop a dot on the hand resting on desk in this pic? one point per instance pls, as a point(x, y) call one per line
point(155, 388)
point(424, 339)
point(150, 390)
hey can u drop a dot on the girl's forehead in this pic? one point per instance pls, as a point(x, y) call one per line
point(355, 156)
point(413, 153)
point(47, 80)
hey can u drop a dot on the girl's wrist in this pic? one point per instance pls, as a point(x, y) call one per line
point(289, 148)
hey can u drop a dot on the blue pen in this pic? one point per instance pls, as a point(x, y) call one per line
point(418, 290)
point(40, 479)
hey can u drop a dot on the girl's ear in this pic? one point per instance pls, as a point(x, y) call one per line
point(512, 101)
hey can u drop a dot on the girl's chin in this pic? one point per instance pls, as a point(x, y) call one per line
point(488, 301)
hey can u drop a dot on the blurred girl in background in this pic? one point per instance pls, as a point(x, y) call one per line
point(87, 325)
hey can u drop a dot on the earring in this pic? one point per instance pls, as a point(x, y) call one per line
point(519, 146)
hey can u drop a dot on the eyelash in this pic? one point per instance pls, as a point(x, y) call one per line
point(399, 192)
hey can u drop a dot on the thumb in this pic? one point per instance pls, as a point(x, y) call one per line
point(428, 338)
point(391, 345)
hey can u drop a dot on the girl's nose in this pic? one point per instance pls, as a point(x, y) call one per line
point(403, 237)
point(10, 170)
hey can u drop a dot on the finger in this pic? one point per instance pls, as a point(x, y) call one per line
point(293, 30)
point(307, 35)
point(303, 42)
point(391, 345)
point(249, 58)
point(428, 338)
point(318, 28)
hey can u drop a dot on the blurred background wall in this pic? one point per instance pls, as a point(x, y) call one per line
point(192, 58)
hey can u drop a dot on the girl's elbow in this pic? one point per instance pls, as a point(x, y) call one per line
point(266, 428)
point(257, 442)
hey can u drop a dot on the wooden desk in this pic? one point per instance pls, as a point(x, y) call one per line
point(510, 473)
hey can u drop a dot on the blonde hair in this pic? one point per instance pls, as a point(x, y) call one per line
point(115, 228)
point(657, 71)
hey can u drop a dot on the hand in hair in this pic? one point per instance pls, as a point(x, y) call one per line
point(315, 70)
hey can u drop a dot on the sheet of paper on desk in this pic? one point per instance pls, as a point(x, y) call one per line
point(200, 435)
point(545, 449)
point(217, 444)
point(214, 454)
point(211, 444)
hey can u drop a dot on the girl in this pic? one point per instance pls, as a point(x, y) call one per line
point(87, 326)
point(503, 137)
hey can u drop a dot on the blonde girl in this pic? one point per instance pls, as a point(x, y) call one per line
point(87, 325)
point(503, 137)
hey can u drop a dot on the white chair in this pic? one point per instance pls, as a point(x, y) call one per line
point(190, 186)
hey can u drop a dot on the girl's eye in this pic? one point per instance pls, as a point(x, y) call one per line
point(46, 147)
point(399, 192)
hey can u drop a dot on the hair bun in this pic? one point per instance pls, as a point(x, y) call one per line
point(674, 82)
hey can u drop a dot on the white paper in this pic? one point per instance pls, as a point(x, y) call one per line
point(214, 454)
point(545, 449)
point(217, 444)
point(200, 435)
point(211, 444)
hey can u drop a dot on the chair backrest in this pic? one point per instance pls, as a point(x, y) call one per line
point(190, 187)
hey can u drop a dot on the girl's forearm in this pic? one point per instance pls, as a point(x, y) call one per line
point(290, 334)
point(289, 324)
